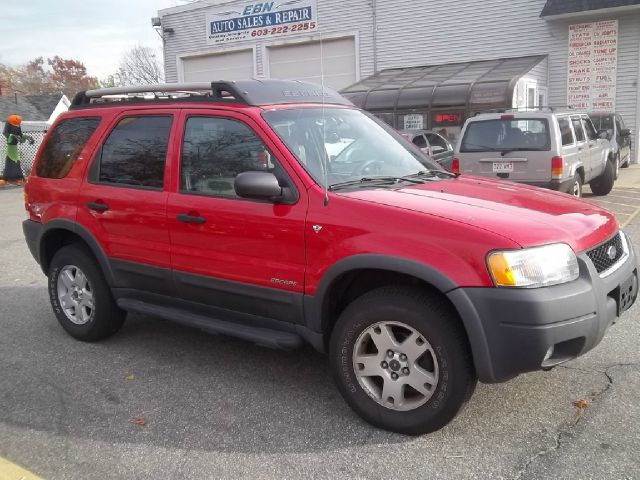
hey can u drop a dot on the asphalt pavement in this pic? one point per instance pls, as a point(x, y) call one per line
point(158, 400)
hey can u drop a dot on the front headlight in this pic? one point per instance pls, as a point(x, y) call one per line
point(533, 267)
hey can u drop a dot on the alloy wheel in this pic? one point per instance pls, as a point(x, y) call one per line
point(395, 365)
point(75, 295)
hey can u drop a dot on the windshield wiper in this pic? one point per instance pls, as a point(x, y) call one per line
point(432, 173)
point(368, 180)
point(520, 149)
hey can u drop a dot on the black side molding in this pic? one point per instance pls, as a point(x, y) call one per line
point(261, 336)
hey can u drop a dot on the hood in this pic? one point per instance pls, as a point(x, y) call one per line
point(527, 215)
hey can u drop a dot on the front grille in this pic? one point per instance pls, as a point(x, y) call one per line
point(600, 254)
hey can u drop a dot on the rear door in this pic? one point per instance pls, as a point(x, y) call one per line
point(571, 157)
point(123, 202)
point(582, 146)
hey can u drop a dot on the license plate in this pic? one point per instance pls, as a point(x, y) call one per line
point(626, 294)
point(502, 167)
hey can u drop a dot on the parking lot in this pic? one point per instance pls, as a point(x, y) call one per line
point(162, 401)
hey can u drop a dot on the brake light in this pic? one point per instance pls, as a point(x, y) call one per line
point(507, 117)
point(455, 165)
point(556, 167)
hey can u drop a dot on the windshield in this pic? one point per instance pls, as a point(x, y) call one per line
point(602, 122)
point(352, 145)
point(506, 135)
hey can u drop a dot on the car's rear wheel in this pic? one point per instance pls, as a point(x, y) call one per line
point(603, 184)
point(626, 162)
point(80, 297)
point(576, 187)
point(401, 360)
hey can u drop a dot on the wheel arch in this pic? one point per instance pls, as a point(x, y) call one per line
point(60, 232)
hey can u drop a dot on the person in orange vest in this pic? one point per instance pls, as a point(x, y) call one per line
point(13, 133)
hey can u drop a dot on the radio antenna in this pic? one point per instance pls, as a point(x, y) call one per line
point(325, 164)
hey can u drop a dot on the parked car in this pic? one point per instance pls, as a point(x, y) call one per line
point(616, 132)
point(555, 150)
point(216, 205)
point(432, 144)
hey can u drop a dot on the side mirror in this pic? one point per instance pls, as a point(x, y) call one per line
point(258, 185)
point(625, 132)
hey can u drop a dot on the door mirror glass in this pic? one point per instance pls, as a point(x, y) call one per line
point(258, 185)
point(625, 132)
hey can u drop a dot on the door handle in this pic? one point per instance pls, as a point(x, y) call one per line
point(98, 206)
point(187, 218)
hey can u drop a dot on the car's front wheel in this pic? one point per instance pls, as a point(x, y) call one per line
point(401, 360)
point(80, 297)
point(604, 183)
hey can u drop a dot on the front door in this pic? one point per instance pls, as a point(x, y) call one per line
point(123, 201)
point(241, 255)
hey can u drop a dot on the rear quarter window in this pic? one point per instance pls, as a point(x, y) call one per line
point(64, 145)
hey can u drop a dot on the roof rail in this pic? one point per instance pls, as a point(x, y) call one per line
point(246, 92)
point(219, 91)
point(547, 108)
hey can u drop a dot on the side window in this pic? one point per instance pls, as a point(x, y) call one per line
point(215, 151)
point(577, 127)
point(64, 145)
point(589, 129)
point(619, 126)
point(437, 141)
point(565, 131)
point(420, 142)
point(135, 152)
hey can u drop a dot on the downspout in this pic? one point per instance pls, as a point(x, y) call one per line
point(375, 35)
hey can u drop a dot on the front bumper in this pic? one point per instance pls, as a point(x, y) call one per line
point(512, 330)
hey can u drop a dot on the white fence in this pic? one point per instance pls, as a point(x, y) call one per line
point(27, 152)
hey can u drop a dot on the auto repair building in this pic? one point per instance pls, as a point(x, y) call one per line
point(421, 64)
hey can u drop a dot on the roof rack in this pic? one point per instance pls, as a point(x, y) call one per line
point(546, 108)
point(247, 92)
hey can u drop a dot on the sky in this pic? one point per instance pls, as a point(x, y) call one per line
point(94, 32)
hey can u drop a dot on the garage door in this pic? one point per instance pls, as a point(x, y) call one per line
point(221, 66)
point(302, 62)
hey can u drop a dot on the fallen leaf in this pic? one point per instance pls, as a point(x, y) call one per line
point(582, 404)
point(131, 376)
point(140, 421)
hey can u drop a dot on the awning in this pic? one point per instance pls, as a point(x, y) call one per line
point(469, 84)
point(566, 7)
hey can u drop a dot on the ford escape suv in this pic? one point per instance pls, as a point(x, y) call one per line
point(556, 150)
point(217, 205)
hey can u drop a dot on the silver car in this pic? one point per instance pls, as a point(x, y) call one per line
point(560, 151)
point(432, 144)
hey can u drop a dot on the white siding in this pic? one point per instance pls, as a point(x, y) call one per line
point(433, 32)
point(203, 68)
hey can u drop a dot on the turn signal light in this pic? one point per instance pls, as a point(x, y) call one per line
point(556, 167)
point(455, 165)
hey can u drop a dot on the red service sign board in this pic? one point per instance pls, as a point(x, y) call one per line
point(592, 65)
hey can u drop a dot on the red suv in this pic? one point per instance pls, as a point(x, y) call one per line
point(276, 212)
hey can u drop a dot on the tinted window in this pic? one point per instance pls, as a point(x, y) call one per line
point(420, 142)
point(619, 127)
point(565, 131)
point(215, 151)
point(136, 151)
point(506, 134)
point(602, 122)
point(588, 128)
point(64, 146)
point(577, 127)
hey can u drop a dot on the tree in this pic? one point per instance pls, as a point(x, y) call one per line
point(70, 76)
point(139, 65)
point(57, 76)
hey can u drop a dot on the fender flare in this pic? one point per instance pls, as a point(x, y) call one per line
point(86, 236)
point(315, 307)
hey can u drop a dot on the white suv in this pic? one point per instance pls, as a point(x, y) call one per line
point(560, 151)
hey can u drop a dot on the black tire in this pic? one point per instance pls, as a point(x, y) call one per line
point(616, 166)
point(434, 319)
point(576, 186)
point(626, 163)
point(603, 184)
point(105, 317)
